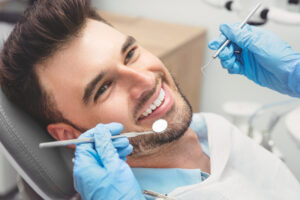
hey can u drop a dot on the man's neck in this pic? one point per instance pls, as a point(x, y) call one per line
point(185, 153)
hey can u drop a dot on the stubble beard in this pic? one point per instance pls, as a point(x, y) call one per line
point(181, 116)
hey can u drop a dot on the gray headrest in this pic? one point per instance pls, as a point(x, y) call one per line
point(49, 169)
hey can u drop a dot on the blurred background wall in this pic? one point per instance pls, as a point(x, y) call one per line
point(217, 85)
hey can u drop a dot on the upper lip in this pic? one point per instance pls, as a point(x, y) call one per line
point(150, 101)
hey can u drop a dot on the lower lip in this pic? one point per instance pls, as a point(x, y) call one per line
point(163, 108)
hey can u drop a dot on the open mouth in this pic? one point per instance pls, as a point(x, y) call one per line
point(155, 104)
point(159, 106)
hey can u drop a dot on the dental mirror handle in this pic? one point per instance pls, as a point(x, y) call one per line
point(65, 142)
point(159, 126)
point(240, 26)
point(86, 140)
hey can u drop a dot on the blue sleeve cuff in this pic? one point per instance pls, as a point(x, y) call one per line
point(294, 81)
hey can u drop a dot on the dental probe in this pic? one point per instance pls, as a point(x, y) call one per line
point(159, 126)
point(240, 26)
point(228, 41)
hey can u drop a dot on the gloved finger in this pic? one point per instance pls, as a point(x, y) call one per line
point(114, 128)
point(236, 68)
point(88, 134)
point(242, 37)
point(86, 156)
point(229, 63)
point(85, 152)
point(124, 152)
point(226, 53)
point(236, 47)
point(120, 142)
point(217, 42)
point(103, 145)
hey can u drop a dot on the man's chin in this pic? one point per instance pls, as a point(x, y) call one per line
point(177, 126)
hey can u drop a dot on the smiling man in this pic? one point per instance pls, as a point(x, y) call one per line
point(71, 70)
point(103, 71)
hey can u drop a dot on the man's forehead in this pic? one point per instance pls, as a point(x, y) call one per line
point(98, 30)
point(97, 48)
point(96, 42)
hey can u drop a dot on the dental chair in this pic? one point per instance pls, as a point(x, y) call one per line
point(47, 171)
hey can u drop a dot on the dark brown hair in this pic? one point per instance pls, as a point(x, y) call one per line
point(44, 28)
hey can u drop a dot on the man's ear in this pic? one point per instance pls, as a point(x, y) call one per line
point(63, 131)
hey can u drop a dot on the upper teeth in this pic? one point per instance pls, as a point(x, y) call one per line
point(155, 104)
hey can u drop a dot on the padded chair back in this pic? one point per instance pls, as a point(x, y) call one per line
point(47, 171)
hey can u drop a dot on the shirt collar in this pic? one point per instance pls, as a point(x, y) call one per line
point(165, 180)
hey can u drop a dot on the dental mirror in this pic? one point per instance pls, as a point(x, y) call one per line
point(159, 126)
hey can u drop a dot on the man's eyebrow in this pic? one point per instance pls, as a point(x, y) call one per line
point(91, 86)
point(128, 42)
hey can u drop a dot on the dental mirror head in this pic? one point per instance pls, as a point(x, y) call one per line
point(159, 126)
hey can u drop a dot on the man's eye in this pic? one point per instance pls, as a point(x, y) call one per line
point(101, 90)
point(129, 56)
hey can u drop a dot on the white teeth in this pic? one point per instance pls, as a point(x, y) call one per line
point(152, 107)
point(161, 94)
point(155, 104)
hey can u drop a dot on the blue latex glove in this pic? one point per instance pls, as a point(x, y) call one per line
point(264, 58)
point(99, 173)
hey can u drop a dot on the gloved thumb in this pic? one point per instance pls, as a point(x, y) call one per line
point(242, 37)
point(103, 145)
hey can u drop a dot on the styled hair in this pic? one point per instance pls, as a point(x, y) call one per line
point(44, 28)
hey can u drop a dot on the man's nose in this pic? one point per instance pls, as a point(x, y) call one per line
point(137, 81)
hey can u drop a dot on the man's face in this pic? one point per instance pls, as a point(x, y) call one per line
point(103, 76)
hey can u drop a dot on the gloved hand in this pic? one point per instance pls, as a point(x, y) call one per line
point(100, 171)
point(264, 58)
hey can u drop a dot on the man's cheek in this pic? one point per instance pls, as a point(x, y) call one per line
point(116, 115)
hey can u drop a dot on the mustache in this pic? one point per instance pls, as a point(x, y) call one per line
point(145, 97)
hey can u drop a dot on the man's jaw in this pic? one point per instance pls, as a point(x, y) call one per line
point(157, 105)
point(178, 115)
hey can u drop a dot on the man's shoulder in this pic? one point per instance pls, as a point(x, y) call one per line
point(213, 122)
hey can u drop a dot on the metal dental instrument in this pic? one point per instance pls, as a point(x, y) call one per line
point(228, 41)
point(241, 26)
point(159, 126)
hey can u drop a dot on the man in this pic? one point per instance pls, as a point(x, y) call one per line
point(72, 71)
